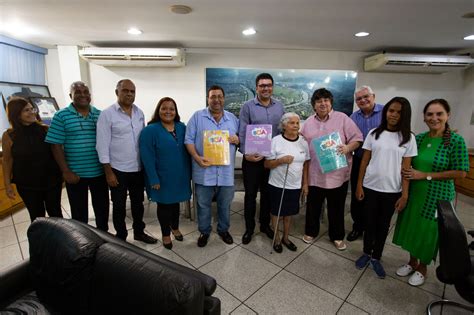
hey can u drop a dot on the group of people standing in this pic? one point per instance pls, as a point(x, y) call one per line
point(388, 167)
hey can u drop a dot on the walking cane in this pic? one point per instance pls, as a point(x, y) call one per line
point(279, 208)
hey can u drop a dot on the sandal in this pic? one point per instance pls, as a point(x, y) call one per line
point(290, 245)
point(178, 236)
point(308, 239)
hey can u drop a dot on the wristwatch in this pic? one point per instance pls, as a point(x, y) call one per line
point(429, 177)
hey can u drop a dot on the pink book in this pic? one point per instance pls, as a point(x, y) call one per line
point(258, 139)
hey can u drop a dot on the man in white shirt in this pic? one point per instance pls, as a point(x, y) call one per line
point(118, 132)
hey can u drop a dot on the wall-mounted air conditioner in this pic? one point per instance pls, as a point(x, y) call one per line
point(134, 57)
point(387, 62)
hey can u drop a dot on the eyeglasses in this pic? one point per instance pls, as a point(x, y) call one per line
point(360, 98)
point(262, 86)
point(30, 110)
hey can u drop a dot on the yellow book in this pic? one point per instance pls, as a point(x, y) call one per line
point(216, 146)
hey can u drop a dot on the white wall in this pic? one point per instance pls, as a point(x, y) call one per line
point(187, 85)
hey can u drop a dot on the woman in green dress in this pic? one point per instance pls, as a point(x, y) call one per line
point(442, 157)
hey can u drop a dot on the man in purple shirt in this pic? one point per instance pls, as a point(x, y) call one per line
point(118, 131)
point(366, 118)
point(263, 109)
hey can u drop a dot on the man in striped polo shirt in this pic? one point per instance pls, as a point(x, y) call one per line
point(72, 135)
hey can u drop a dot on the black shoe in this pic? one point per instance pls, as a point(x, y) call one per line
point(168, 245)
point(278, 248)
point(246, 238)
point(178, 237)
point(353, 235)
point(290, 245)
point(202, 240)
point(145, 238)
point(226, 237)
point(267, 230)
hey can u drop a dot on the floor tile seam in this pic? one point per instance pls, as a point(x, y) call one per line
point(222, 288)
point(245, 306)
point(346, 302)
point(298, 255)
point(422, 288)
point(313, 284)
point(259, 288)
point(181, 258)
point(248, 250)
point(18, 242)
point(335, 253)
point(197, 268)
point(353, 288)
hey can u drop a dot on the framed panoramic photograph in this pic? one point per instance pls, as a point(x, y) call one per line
point(10, 89)
point(293, 87)
point(47, 107)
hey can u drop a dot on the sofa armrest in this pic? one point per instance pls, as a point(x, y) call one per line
point(14, 282)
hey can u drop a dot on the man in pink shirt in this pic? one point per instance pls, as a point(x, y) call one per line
point(333, 185)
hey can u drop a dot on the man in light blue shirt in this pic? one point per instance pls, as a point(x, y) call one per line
point(366, 118)
point(118, 131)
point(211, 180)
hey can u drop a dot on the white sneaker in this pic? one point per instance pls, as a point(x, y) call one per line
point(416, 279)
point(405, 270)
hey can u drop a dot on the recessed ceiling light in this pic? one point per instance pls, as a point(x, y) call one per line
point(249, 31)
point(362, 34)
point(180, 9)
point(470, 37)
point(134, 31)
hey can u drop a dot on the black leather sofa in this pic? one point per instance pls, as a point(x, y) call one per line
point(77, 269)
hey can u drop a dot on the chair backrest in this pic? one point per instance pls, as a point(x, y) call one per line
point(454, 257)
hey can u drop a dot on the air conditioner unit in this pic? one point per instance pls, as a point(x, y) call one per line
point(387, 62)
point(134, 57)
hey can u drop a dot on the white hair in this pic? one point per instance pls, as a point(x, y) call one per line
point(364, 87)
point(285, 118)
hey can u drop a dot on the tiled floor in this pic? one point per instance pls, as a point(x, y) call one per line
point(317, 279)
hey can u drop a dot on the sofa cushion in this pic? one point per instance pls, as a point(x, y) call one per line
point(126, 282)
point(208, 282)
point(61, 261)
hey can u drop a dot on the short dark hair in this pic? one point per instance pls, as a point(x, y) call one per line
point(156, 114)
point(321, 93)
point(263, 76)
point(76, 84)
point(215, 87)
point(119, 83)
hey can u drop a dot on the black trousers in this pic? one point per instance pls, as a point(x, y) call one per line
point(78, 200)
point(168, 215)
point(380, 207)
point(38, 202)
point(134, 184)
point(357, 206)
point(336, 199)
point(255, 179)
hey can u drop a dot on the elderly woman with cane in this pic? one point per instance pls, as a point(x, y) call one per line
point(288, 177)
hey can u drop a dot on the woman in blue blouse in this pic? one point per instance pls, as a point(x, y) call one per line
point(167, 166)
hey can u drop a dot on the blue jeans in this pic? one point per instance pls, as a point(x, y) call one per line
point(224, 196)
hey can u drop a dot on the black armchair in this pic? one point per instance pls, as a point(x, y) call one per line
point(456, 265)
